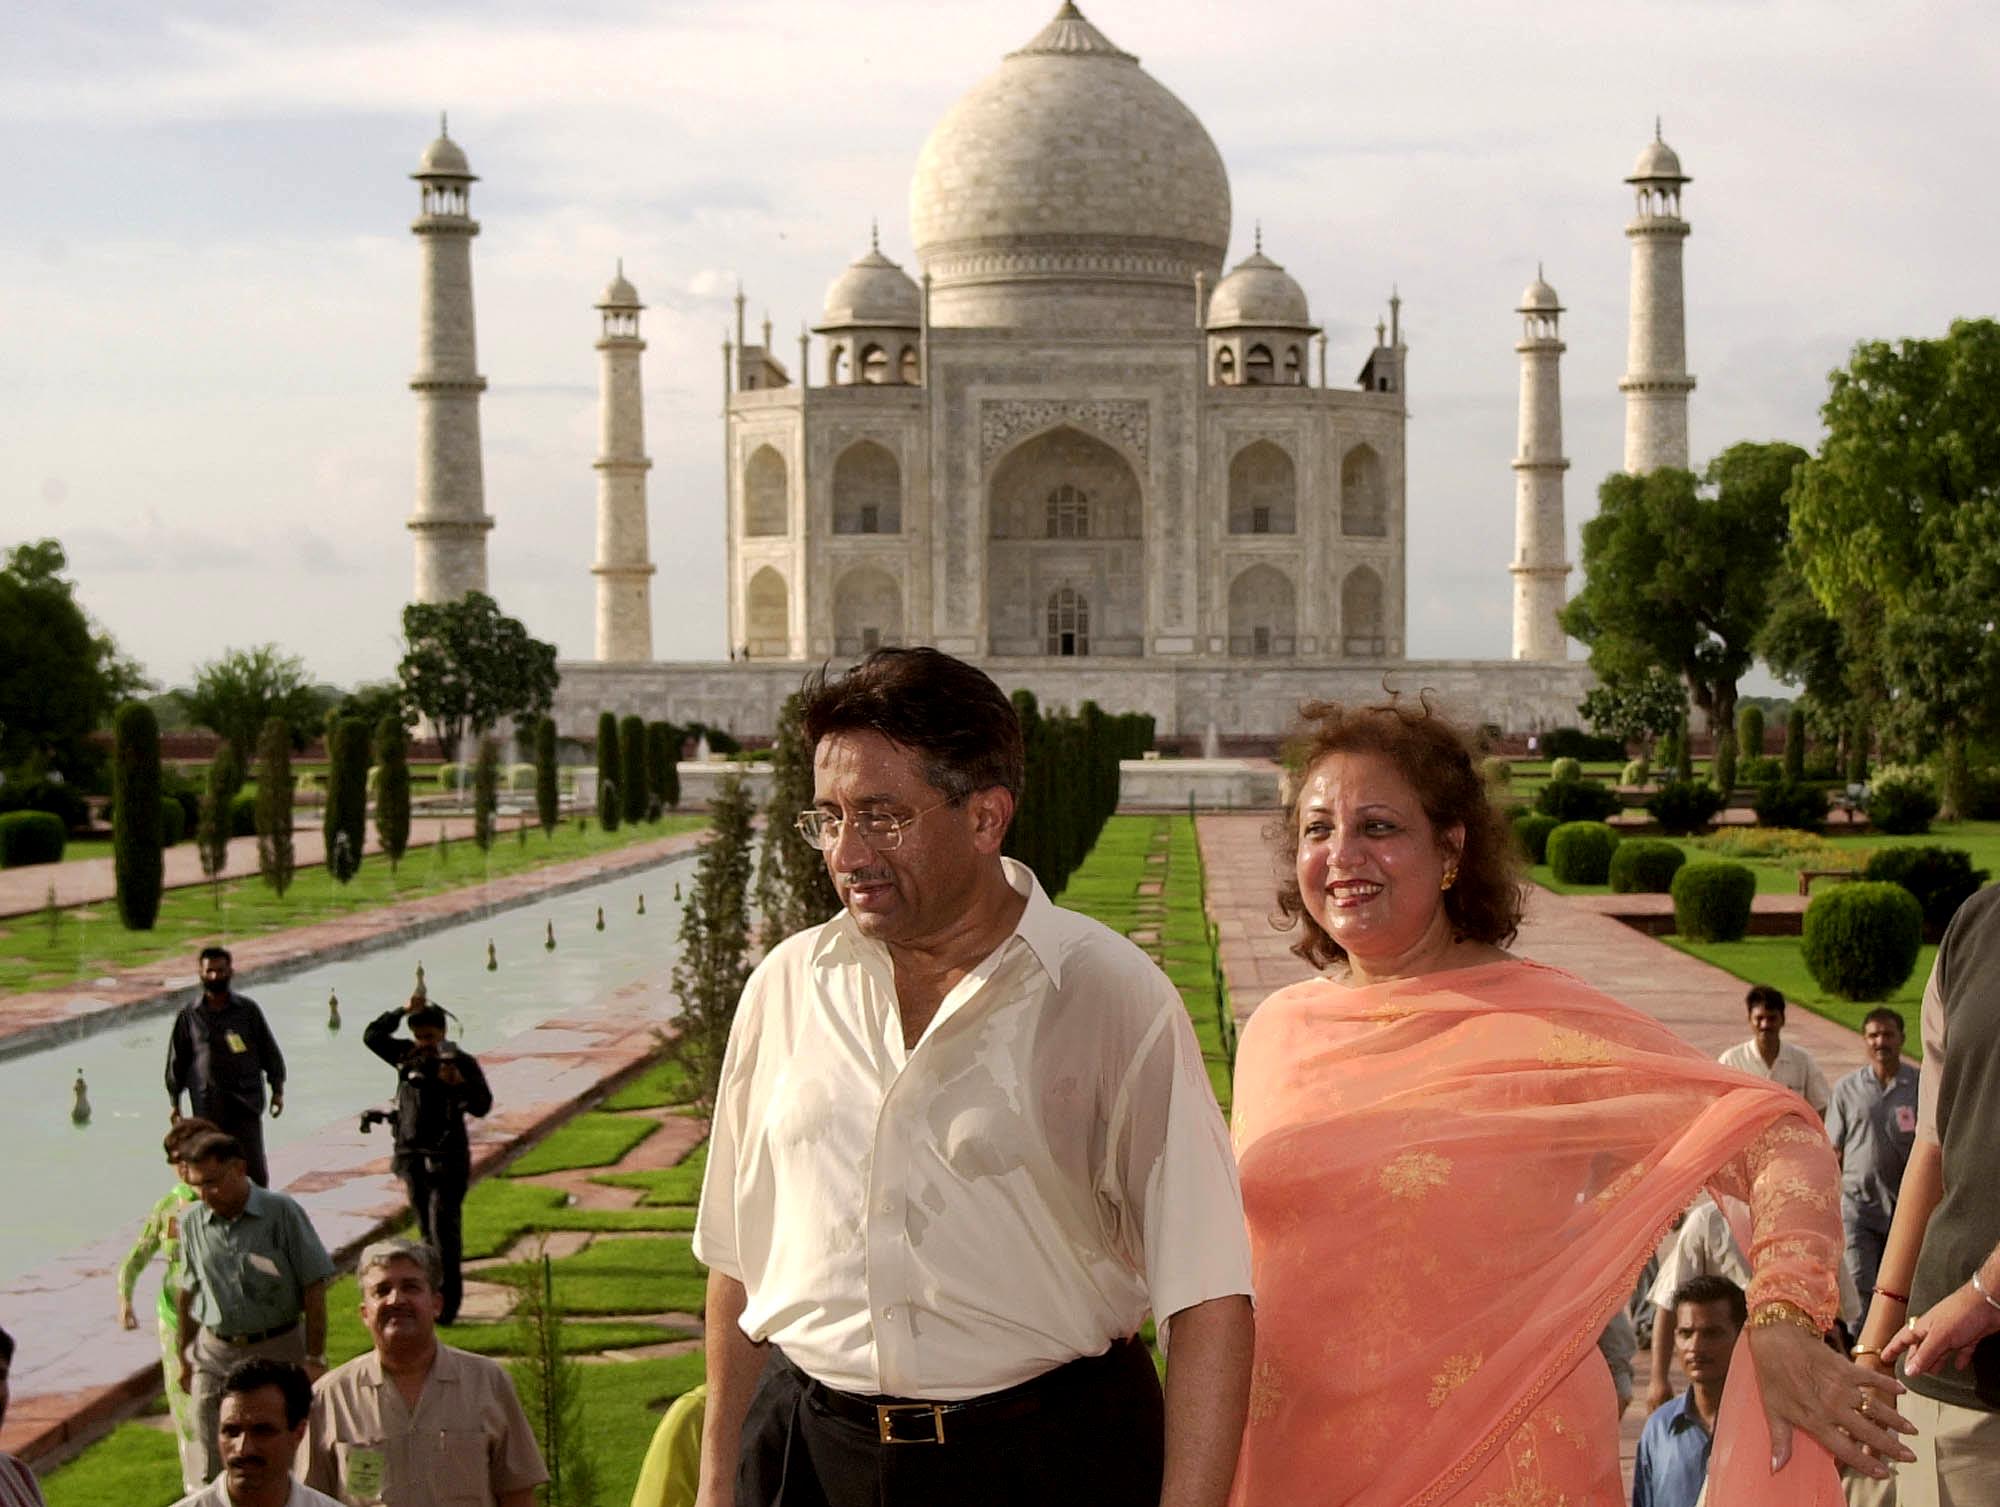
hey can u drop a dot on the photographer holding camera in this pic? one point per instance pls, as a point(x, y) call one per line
point(437, 1086)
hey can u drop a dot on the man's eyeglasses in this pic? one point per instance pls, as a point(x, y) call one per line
point(879, 830)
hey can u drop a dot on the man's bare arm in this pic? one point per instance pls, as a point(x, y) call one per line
point(734, 1364)
point(315, 1310)
point(1208, 1396)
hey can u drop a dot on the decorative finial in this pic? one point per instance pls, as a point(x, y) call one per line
point(1260, 236)
point(1656, 129)
point(621, 266)
point(549, 938)
point(444, 125)
point(1538, 272)
point(875, 233)
point(600, 918)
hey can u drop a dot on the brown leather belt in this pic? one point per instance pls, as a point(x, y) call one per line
point(259, 1337)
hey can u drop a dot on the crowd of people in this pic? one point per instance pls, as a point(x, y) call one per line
point(965, 1145)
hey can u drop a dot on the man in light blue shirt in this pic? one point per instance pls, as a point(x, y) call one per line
point(1672, 1465)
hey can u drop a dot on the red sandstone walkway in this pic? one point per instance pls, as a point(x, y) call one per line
point(29, 1019)
point(1701, 1003)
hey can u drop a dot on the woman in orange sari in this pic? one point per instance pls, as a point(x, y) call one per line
point(1455, 1163)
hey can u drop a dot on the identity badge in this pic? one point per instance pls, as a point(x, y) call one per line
point(236, 1042)
point(364, 1474)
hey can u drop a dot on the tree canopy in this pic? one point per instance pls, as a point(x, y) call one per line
point(236, 694)
point(1901, 508)
point(1677, 572)
point(60, 677)
point(468, 665)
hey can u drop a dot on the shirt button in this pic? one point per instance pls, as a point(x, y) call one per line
point(889, 1312)
point(889, 1205)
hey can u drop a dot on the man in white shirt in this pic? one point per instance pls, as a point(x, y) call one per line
point(264, 1405)
point(964, 1143)
point(1767, 1055)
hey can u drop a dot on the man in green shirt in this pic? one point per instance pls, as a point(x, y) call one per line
point(252, 1268)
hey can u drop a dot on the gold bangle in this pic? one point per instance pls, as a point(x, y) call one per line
point(1860, 1350)
point(1782, 1312)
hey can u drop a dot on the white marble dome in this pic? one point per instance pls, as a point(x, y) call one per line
point(620, 294)
point(1657, 162)
point(443, 158)
point(1258, 292)
point(873, 291)
point(1539, 298)
point(1068, 188)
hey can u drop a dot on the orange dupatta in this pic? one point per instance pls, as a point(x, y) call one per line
point(1451, 1182)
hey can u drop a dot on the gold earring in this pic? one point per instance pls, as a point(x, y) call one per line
point(1450, 878)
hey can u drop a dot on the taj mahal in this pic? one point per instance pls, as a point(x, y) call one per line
point(1067, 444)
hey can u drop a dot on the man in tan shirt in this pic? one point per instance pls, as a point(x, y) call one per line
point(388, 1426)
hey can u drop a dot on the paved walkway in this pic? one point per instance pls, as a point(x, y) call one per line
point(1700, 1002)
point(29, 1021)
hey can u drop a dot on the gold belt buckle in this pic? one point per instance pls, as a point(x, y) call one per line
point(885, 1413)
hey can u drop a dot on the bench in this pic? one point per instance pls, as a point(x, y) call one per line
point(1807, 876)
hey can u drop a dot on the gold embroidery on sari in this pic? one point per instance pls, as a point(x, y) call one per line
point(1415, 1173)
point(1266, 1392)
point(1568, 1048)
point(1620, 1185)
point(1458, 1370)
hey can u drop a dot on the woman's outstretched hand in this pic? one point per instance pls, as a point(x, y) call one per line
point(1848, 1408)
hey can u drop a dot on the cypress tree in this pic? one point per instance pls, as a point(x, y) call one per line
point(548, 790)
point(632, 765)
point(609, 805)
point(1684, 752)
point(714, 960)
point(392, 795)
point(1857, 749)
point(1795, 743)
point(663, 781)
point(346, 821)
point(225, 778)
point(137, 829)
point(794, 890)
point(1024, 840)
point(1750, 732)
point(485, 793)
point(1724, 773)
point(274, 804)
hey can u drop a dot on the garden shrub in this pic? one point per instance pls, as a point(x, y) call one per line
point(451, 776)
point(1637, 772)
point(1861, 939)
point(1532, 829)
point(1565, 769)
point(1750, 731)
point(1823, 764)
point(1576, 801)
point(31, 837)
point(520, 779)
point(1942, 879)
point(1902, 799)
point(59, 798)
point(1983, 798)
point(136, 815)
point(1645, 866)
point(1787, 803)
point(1722, 769)
point(1496, 771)
point(1574, 743)
point(1712, 900)
point(1682, 807)
point(1580, 852)
point(1779, 844)
point(173, 822)
point(1758, 769)
point(243, 813)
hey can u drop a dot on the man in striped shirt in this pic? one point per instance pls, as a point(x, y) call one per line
point(18, 1487)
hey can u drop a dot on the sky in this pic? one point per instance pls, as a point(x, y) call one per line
point(208, 288)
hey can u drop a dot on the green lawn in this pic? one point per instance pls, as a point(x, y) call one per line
point(87, 941)
point(135, 1465)
point(644, 1274)
point(499, 1211)
point(668, 1186)
point(1778, 872)
point(1780, 961)
point(591, 1139)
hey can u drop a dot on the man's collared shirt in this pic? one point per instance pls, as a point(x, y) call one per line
point(216, 1494)
point(18, 1486)
point(250, 1274)
point(221, 1058)
point(1794, 1069)
point(1045, 1167)
point(1873, 1125)
point(1672, 1464)
point(467, 1441)
point(1703, 1247)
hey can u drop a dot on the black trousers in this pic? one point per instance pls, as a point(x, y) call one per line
point(436, 1185)
point(248, 1128)
point(1095, 1437)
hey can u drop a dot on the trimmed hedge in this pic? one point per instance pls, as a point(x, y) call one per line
point(1712, 901)
point(1575, 743)
point(1902, 800)
point(1861, 939)
point(1531, 830)
point(173, 822)
point(1496, 771)
point(1645, 866)
point(1788, 803)
point(1565, 769)
point(31, 837)
point(1637, 771)
point(243, 814)
point(60, 798)
point(137, 815)
point(1576, 801)
point(1942, 879)
point(1581, 852)
point(1682, 807)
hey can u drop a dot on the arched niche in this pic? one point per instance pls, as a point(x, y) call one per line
point(766, 507)
point(874, 365)
point(867, 490)
point(1258, 366)
point(908, 367)
point(1364, 494)
point(1361, 629)
point(767, 615)
point(1263, 490)
point(1263, 613)
point(1035, 470)
point(1068, 618)
point(867, 612)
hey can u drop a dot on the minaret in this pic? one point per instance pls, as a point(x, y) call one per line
point(1539, 566)
point(623, 571)
point(450, 521)
point(1656, 381)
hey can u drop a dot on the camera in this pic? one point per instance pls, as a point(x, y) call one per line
point(370, 1118)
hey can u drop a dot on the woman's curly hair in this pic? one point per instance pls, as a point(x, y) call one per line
point(1439, 761)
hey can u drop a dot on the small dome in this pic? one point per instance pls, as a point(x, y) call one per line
point(620, 294)
point(443, 158)
point(1539, 298)
point(1258, 292)
point(873, 291)
point(1657, 162)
